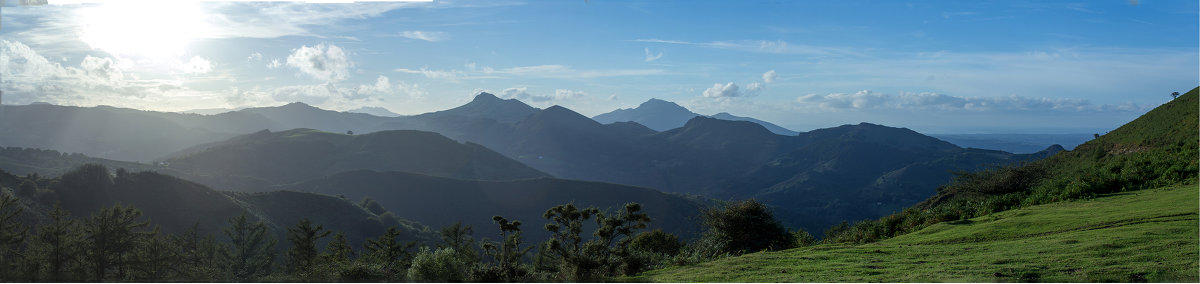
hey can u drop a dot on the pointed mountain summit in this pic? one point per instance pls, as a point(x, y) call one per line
point(656, 114)
point(489, 106)
point(663, 115)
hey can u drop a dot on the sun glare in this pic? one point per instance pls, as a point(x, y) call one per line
point(155, 30)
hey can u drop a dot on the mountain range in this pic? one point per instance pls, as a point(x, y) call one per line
point(817, 177)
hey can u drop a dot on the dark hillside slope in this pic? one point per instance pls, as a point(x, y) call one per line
point(176, 205)
point(439, 201)
point(301, 154)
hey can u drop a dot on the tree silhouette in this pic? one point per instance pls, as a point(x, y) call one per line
point(304, 237)
point(251, 251)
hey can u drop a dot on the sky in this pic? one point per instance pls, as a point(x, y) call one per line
point(931, 66)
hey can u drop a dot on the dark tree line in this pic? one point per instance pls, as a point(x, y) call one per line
point(118, 243)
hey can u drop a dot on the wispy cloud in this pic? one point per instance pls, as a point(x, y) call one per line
point(868, 100)
point(426, 36)
point(764, 46)
point(539, 71)
point(651, 56)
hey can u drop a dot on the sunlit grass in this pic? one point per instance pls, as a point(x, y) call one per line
point(1147, 235)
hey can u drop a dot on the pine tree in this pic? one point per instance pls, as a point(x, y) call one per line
point(157, 258)
point(57, 248)
point(198, 255)
point(12, 233)
point(304, 237)
point(112, 235)
point(387, 249)
point(339, 249)
point(251, 251)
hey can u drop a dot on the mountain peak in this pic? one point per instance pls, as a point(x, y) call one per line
point(487, 105)
point(661, 105)
point(486, 97)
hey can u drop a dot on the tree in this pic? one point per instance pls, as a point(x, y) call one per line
point(608, 254)
point(656, 241)
point(112, 235)
point(1174, 95)
point(506, 254)
point(199, 255)
point(304, 237)
point(746, 226)
point(458, 237)
point(339, 249)
point(12, 232)
point(441, 265)
point(251, 251)
point(57, 247)
point(388, 249)
point(157, 258)
point(27, 189)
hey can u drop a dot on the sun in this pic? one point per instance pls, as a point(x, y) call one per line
point(155, 30)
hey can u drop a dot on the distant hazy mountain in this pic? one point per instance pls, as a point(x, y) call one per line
point(176, 205)
point(439, 201)
point(209, 111)
point(302, 154)
point(656, 114)
point(105, 132)
point(1016, 143)
point(376, 111)
point(662, 115)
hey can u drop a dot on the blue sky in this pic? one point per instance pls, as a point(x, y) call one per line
point(933, 66)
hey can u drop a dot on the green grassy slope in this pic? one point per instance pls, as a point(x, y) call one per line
point(1145, 235)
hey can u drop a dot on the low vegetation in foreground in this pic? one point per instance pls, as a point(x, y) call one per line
point(1145, 235)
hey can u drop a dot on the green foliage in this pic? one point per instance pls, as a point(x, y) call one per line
point(458, 237)
point(390, 253)
point(304, 237)
point(745, 226)
point(441, 265)
point(57, 248)
point(656, 241)
point(339, 249)
point(251, 251)
point(1157, 149)
point(200, 256)
point(1141, 236)
point(506, 255)
point(112, 236)
point(12, 231)
point(156, 257)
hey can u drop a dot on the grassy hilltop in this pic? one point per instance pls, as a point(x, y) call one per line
point(1121, 208)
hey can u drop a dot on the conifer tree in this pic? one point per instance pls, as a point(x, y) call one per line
point(304, 237)
point(251, 251)
point(57, 248)
point(112, 235)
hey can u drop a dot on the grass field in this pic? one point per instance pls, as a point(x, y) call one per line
point(1147, 235)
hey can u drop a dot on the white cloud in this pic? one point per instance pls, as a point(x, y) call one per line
point(769, 77)
point(433, 74)
point(754, 87)
point(196, 65)
point(425, 36)
point(729, 90)
point(323, 61)
point(275, 64)
point(652, 57)
point(867, 100)
point(522, 93)
point(254, 57)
